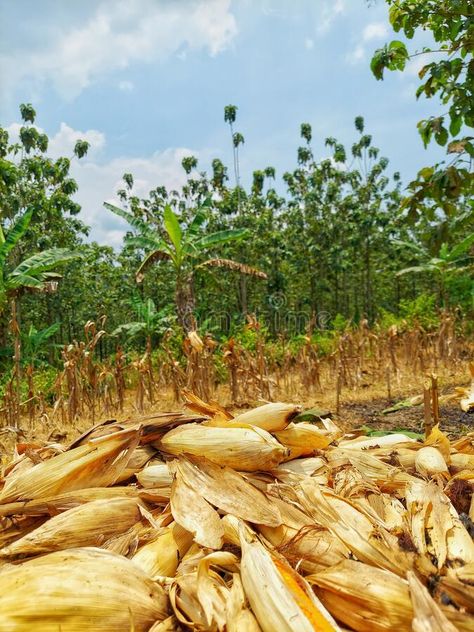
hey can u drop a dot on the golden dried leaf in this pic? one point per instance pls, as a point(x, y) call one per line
point(194, 514)
point(228, 490)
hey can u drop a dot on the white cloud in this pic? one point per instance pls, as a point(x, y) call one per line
point(330, 10)
point(126, 86)
point(118, 34)
point(309, 43)
point(356, 55)
point(372, 31)
point(62, 143)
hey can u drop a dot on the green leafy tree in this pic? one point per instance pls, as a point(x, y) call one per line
point(183, 249)
point(37, 272)
point(37, 215)
point(340, 212)
point(448, 262)
point(30, 179)
point(448, 74)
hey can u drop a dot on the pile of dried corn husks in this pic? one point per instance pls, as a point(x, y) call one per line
point(207, 522)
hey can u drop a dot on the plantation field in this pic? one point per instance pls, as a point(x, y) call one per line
point(237, 341)
point(362, 402)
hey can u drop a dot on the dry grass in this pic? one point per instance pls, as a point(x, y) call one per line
point(359, 405)
point(366, 372)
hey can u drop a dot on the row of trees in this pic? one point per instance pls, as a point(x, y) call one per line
point(338, 236)
point(338, 242)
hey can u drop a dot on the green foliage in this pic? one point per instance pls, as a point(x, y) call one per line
point(448, 262)
point(324, 341)
point(36, 344)
point(448, 75)
point(387, 319)
point(35, 272)
point(183, 248)
point(421, 311)
point(339, 323)
point(150, 321)
point(336, 246)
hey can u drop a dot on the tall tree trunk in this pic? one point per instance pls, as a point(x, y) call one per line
point(398, 295)
point(243, 294)
point(15, 329)
point(185, 303)
point(368, 281)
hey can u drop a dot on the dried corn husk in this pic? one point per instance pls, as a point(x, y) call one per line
point(211, 409)
point(431, 514)
point(438, 439)
point(138, 459)
point(280, 598)
point(270, 417)
point(360, 532)
point(232, 526)
point(428, 616)
point(467, 394)
point(127, 543)
point(304, 439)
point(383, 508)
point(387, 477)
point(301, 541)
point(196, 341)
point(155, 475)
point(97, 463)
point(430, 461)
point(311, 547)
point(458, 584)
point(462, 621)
point(464, 444)
point(194, 514)
point(62, 502)
point(162, 554)
point(191, 559)
point(79, 589)
point(461, 461)
point(86, 525)
point(228, 490)
point(309, 466)
point(170, 624)
point(245, 449)
point(465, 573)
point(362, 443)
point(212, 591)
point(199, 599)
point(239, 617)
point(365, 598)
point(13, 528)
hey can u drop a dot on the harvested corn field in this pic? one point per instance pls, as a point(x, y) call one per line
point(237, 316)
point(200, 520)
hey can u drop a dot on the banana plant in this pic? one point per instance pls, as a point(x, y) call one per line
point(35, 343)
point(449, 261)
point(150, 321)
point(183, 248)
point(36, 272)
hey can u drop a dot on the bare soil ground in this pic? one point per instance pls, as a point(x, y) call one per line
point(453, 420)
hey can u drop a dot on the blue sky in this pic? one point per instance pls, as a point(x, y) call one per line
point(146, 82)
